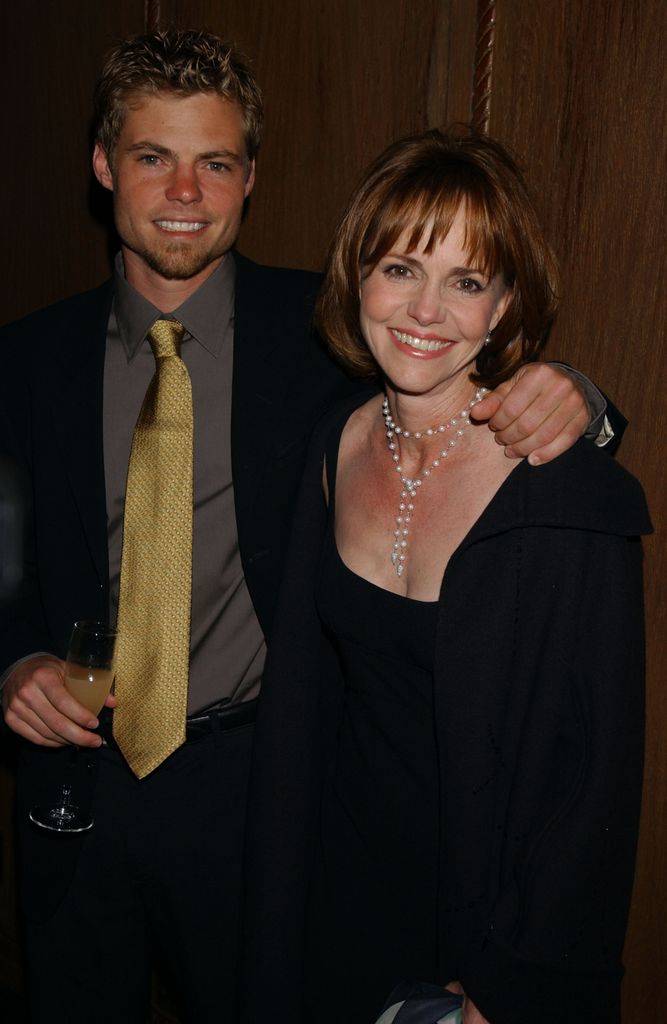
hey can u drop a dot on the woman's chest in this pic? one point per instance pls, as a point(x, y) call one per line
point(400, 533)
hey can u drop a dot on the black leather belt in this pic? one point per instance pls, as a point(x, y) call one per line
point(227, 716)
point(220, 719)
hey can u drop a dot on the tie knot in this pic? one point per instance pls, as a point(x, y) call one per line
point(165, 337)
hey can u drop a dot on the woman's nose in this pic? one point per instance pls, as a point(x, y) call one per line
point(427, 305)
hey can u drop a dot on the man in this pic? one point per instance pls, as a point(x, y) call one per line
point(158, 876)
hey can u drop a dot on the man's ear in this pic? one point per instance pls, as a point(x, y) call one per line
point(250, 180)
point(101, 167)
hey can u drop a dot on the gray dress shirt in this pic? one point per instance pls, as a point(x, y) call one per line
point(227, 645)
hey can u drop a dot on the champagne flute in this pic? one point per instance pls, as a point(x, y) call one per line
point(89, 674)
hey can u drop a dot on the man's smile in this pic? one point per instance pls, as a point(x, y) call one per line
point(181, 225)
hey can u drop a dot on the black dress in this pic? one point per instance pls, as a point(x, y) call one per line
point(373, 906)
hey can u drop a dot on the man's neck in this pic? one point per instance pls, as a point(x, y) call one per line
point(166, 294)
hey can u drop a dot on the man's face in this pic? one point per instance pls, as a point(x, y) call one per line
point(179, 177)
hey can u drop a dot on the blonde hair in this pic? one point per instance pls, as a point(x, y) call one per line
point(178, 61)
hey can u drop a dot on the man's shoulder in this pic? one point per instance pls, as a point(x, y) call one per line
point(276, 304)
point(95, 303)
point(289, 282)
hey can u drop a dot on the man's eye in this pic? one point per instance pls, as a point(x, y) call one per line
point(150, 159)
point(215, 165)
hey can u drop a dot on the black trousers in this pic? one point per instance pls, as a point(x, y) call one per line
point(157, 877)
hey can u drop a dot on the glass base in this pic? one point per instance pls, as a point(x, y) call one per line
point(61, 818)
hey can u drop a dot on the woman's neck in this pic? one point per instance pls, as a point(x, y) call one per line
point(421, 428)
point(417, 414)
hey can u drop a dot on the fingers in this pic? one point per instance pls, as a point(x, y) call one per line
point(38, 707)
point(28, 733)
point(471, 1014)
point(489, 406)
point(530, 396)
point(550, 440)
point(542, 412)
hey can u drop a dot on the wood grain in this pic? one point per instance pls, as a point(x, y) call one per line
point(579, 91)
point(55, 233)
point(341, 81)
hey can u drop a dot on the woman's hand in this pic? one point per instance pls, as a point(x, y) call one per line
point(471, 1014)
point(540, 412)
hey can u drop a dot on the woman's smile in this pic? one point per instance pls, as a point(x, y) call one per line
point(429, 306)
point(420, 344)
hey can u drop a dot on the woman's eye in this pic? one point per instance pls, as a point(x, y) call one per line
point(396, 270)
point(470, 284)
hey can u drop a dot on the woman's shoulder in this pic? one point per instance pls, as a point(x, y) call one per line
point(587, 488)
point(352, 410)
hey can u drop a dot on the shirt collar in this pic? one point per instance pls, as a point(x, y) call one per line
point(205, 315)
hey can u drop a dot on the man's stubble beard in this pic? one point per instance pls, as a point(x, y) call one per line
point(177, 262)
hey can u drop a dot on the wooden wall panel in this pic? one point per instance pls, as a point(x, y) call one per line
point(50, 53)
point(52, 244)
point(340, 81)
point(579, 90)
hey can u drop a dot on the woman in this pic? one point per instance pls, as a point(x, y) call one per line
point(448, 758)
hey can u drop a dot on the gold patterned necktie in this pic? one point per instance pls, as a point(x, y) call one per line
point(153, 647)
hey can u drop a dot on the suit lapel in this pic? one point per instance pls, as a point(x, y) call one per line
point(259, 384)
point(77, 416)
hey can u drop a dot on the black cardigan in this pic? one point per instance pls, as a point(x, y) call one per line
point(539, 715)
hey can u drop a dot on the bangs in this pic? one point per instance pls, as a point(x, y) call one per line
point(422, 213)
point(409, 197)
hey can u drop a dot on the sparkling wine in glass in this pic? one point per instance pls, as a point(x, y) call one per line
point(89, 674)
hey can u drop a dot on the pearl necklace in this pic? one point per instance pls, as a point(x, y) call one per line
point(410, 486)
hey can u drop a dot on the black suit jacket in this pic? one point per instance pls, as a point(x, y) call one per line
point(51, 393)
point(539, 730)
point(51, 430)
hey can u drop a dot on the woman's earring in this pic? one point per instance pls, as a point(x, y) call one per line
point(488, 338)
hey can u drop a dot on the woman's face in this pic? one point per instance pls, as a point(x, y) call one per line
point(425, 316)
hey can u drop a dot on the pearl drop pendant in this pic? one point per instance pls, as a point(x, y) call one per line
point(410, 487)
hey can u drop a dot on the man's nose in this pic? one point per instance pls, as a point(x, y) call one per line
point(184, 185)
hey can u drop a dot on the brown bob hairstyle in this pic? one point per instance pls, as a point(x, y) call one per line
point(415, 188)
